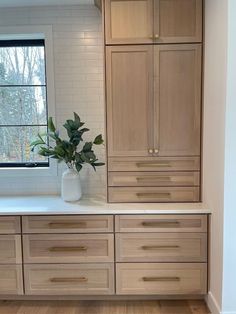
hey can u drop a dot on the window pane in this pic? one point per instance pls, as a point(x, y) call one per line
point(15, 144)
point(22, 66)
point(23, 105)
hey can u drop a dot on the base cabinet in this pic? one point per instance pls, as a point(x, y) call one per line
point(105, 255)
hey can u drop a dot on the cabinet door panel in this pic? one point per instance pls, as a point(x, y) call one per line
point(129, 21)
point(129, 100)
point(177, 21)
point(177, 99)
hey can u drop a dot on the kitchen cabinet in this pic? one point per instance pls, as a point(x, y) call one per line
point(153, 21)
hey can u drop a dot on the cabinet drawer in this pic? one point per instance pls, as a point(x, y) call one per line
point(161, 223)
point(153, 179)
point(161, 278)
point(67, 224)
point(11, 281)
point(9, 225)
point(10, 249)
point(68, 248)
point(161, 247)
point(154, 164)
point(153, 194)
point(59, 279)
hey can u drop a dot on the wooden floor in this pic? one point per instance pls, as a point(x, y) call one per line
point(103, 307)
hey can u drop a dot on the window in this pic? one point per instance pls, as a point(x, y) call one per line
point(23, 101)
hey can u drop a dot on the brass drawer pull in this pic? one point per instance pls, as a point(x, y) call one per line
point(147, 195)
point(64, 279)
point(154, 178)
point(59, 225)
point(153, 164)
point(160, 247)
point(68, 249)
point(168, 279)
point(162, 224)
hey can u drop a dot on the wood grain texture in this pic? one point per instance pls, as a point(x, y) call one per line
point(161, 223)
point(104, 307)
point(67, 224)
point(9, 225)
point(154, 164)
point(68, 248)
point(10, 249)
point(129, 74)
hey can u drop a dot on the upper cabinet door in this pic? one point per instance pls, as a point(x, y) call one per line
point(177, 99)
point(129, 75)
point(177, 21)
point(129, 21)
point(153, 21)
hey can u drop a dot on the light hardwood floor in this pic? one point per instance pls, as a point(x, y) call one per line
point(103, 307)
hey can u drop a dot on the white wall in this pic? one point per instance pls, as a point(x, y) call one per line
point(78, 65)
point(229, 271)
point(214, 136)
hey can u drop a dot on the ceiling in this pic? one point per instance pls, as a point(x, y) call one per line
point(22, 3)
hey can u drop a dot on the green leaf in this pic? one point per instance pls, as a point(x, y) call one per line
point(37, 142)
point(98, 140)
point(76, 116)
point(98, 164)
point(78, 166)
point(51, 125)
point(87, 146)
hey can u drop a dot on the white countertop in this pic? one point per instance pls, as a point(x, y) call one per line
point(54, 205)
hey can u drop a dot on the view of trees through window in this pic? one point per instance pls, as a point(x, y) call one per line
point(23, 105)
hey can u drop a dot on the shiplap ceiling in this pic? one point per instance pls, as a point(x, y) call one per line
point(23, 3)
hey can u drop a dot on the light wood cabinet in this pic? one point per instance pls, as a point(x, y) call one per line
point(153, 21)
point(129, 100)
point(10, 249)
point(162, 279)
point(10, 225)
point(11, 281)
point(177, 99)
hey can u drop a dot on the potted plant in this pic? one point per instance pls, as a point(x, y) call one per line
point(71, 152)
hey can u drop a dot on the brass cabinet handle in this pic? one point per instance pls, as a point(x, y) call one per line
point(161, 279)
point(152, 164)
point(150, 151)
point(68, 249)
point(156, 151)
point(58, 225)
point(162, 224)
point(150, 195)
point(159, 247)
point(150, 178)
point(68, 279)
point(156, 36)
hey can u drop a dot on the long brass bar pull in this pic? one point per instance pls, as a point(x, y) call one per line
point(68, 279)
point(162, 224)
point(154, 178)
point(161, 279)
point(152, 195)
point(59, 225)
point(68, 249)
point(153, 164)
point(160, 247)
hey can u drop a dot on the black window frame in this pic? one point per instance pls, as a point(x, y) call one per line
point(27, 43)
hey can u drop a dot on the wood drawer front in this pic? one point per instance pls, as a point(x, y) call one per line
point(67, 224)
point(154, 179)
point(68, 248)
point(64, 279)
point(11, 281)
point(161, 278)
point(10, 249)
point(9, 225)
point(161, 223)
point(153, 194)
point(161, 247)
point(154, 164)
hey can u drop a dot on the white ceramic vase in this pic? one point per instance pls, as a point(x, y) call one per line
point(71, 186)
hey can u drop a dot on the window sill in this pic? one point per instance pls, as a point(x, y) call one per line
point(30, 172)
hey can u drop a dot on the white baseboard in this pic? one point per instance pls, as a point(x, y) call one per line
point(213, 304)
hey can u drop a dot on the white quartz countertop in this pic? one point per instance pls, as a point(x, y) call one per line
point(54, 205)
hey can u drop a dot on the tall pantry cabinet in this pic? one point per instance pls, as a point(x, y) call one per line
point(153, 99)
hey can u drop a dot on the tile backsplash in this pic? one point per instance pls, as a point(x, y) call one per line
point(78, 67)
